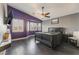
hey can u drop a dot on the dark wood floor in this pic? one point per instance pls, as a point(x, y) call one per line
point(29, 47)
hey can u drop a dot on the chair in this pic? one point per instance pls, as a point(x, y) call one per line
point(75, 38)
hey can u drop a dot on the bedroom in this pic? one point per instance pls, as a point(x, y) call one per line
point(24, 22)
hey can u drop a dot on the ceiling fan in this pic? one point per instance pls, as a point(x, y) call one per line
point(45, 14)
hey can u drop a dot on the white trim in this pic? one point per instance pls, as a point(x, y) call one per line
point(3, 52)
point(22, 38)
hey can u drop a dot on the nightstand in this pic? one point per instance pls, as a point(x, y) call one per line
point(65, 37)
point(73, 41)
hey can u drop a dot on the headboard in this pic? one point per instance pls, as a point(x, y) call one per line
point(56, 29)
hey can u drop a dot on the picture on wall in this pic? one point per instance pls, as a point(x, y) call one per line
point(55, 21)
point(17, 25)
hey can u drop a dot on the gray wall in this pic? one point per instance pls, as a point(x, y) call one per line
point(70, 22)
point(1, 10)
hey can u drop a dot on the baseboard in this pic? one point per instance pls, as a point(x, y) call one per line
point(22, 38)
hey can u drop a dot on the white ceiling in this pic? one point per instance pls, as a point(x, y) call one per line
point(55, 9)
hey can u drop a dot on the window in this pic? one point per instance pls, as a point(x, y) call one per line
point(33, 26)
point(27, 28)
point(17, 25)
point(39, 26)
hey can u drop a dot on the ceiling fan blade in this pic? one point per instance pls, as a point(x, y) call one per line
point(47, 13)
point(47, 16)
